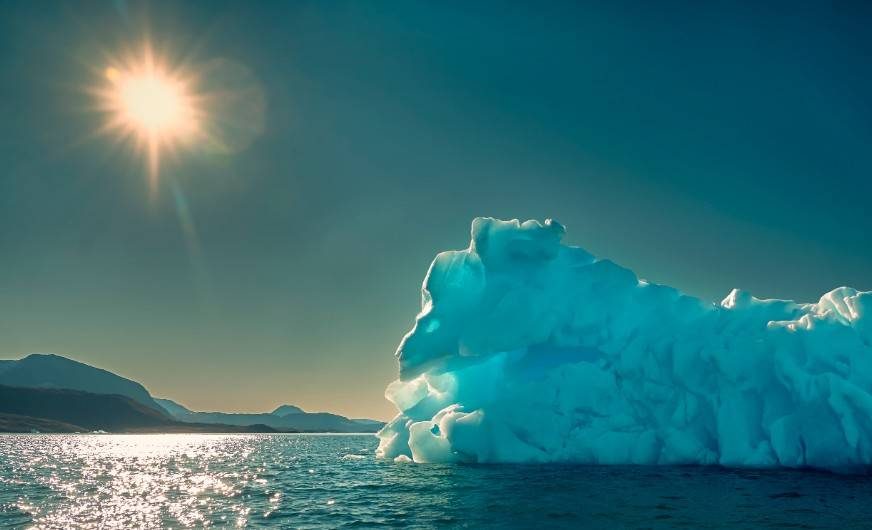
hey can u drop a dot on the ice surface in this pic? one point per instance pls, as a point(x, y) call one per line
point(527, 350)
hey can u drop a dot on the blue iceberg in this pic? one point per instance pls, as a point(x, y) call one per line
point(528, 350)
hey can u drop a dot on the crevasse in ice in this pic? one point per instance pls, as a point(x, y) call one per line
point(528, 350)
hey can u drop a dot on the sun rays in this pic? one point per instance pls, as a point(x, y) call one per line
point(151, 105)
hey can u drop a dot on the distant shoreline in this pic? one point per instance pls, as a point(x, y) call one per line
point(47, 393)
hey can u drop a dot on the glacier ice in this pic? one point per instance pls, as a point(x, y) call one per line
point(528, 350)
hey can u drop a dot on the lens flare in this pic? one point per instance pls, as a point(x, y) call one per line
point(159, 107)
point(152, 105)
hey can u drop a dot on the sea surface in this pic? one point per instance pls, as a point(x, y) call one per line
point(314, 481)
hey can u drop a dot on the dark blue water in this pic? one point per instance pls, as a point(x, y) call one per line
point(310, 481)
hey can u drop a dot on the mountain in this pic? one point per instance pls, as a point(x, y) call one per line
point(53, 371)
point(49, 371)
point(171, 407)
point(366, 421)
point(110, 412)
point(325, 421)
point(18, 423)
point(285, 417)
point(284, 410)
point(63, 410)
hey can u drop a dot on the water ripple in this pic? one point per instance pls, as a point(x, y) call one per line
point(308, 481)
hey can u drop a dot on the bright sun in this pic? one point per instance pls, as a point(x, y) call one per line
point(151, 102)
point(150, 105)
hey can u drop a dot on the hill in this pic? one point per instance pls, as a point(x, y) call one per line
point(63, 410)
point(285, 417)
point(53, 371)
point(17, 423)
point(49, 371)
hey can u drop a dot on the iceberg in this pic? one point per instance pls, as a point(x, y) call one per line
point(529, 350)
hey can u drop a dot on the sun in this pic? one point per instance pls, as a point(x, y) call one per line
point(151, 105)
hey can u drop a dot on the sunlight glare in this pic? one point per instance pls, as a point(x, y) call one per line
point(150, 105)
point(152, 102)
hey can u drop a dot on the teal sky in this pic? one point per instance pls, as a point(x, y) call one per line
point(704, 146)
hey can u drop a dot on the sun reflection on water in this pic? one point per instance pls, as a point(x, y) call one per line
point(311, 481)
point(124, 481)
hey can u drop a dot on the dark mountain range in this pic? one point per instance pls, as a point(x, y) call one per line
point(285, 417)
point(53, 371)
point(49, 371)
point(17, 423)
point(110, 412)
point(63, 410)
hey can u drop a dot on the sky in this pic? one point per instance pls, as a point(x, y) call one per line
point(705, 146)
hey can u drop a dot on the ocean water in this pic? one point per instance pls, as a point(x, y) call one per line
point(313, 481)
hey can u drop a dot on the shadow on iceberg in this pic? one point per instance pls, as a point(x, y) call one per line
point(528, 350)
